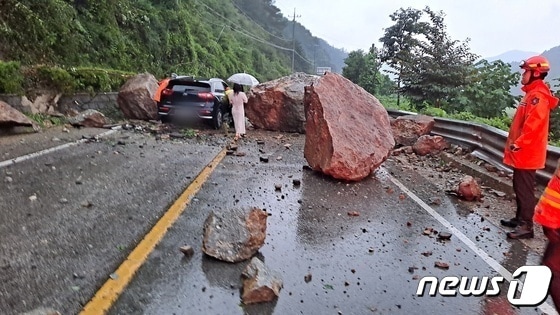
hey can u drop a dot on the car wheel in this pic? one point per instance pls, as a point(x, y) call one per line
point(165, 119)
point(217, 116)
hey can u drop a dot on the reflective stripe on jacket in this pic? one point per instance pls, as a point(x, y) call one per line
point(529, 128)
point(547, 211)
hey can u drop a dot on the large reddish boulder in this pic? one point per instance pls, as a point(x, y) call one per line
point(278, 105)
point(407, 129)
point(10, 117)
point(348, 132)
point(135, 97)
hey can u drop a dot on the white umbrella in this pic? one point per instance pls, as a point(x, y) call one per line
point(243, 79)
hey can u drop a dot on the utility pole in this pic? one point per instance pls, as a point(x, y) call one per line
point(314, 67)
point(294, 38)
point(220, 33)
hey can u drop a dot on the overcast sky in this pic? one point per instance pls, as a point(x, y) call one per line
point(493, 26)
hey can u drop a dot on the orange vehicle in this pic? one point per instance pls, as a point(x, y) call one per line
point(162, 85)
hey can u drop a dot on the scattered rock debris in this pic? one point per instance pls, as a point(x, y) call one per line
point(260, 284)
point(444, 236)
point(234, 235)
point(441, 265)
point(187, 250)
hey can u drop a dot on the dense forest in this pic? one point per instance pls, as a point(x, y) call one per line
point(210, 38)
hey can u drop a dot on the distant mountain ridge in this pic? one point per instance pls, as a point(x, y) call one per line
point(513, 57)
point(553, 56)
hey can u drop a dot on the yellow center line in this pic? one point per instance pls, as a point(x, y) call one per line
point(112, 289)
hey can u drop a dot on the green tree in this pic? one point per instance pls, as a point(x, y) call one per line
point(399, 41)
point(370, 76)
point(355, 64)
point(40, 32)
point(364, 70)
point(385, 86)
point(555, 114)
point(442, 65)
point(488, 93)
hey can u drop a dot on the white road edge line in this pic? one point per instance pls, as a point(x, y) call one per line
point(47, 151)
point(545, 307)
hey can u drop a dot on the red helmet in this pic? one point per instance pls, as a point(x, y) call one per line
point(538, 63)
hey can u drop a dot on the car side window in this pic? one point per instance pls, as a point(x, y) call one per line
point(219, 87)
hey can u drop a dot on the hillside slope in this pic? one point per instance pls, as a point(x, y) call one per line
point(203, 38)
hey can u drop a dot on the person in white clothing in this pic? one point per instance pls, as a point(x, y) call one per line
point(238, 99)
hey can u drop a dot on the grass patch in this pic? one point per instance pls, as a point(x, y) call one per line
point(189, 133)
point(45, 120)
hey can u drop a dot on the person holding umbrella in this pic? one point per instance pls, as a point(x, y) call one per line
point(238, 99)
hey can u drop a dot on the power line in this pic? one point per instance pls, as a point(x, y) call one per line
point(262, 28)
point(228, 20)
point(255, 37)
point(304, 59)
point(251, 36)
point(270, 44)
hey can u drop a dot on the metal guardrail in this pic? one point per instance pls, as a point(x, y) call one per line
point(485, 142)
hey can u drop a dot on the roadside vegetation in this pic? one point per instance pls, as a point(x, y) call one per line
point(45, 120)
point(20, 80)
point(436, 75)
point(189, 133)
point(210, 38)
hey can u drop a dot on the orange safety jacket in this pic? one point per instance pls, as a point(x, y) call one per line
point(529, 128)
point(547, 211)
point(161, 87)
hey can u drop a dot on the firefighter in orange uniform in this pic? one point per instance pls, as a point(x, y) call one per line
point(525, 149)
point(547, 213)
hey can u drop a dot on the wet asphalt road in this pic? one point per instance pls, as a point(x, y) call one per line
point(57, 253)
point(94, 201)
